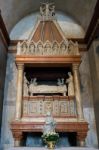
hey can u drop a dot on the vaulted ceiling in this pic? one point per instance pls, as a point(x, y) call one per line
point(14, 10)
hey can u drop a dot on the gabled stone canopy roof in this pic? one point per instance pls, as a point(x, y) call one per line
point(47, 31)
point(47, 27)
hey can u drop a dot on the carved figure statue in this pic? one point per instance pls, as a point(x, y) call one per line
point(40, 48)
point(71, 48)
point(34, 81)
point(55, 48)
point(50, 124)
point(18, 48)
point(24, 48)
point(25, 86)
point(63, 48)
point(47, 9)
point(60, 81)
point(31, 48)
point(48, 50)
point(41, 10)
point(53, 10)
point(76, 49)
point(70, 84)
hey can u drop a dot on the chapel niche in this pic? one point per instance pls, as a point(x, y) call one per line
point(48, 81)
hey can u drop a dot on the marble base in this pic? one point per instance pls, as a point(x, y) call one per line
point(63, 148)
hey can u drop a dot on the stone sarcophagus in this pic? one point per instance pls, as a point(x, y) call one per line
point(47, 89)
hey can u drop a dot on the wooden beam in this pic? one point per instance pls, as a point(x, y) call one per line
point(48, 61)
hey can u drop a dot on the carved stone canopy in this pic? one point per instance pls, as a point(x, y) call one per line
point(47, 38)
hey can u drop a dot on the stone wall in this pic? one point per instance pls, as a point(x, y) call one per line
point(3, 57)
point(94, 68)
point(10, 98)
point(9, 101)
point(87, 100)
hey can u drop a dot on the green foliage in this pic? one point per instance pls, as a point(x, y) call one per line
point(51, 136)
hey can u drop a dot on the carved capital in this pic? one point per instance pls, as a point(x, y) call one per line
point(75, 66)
point(20, 66)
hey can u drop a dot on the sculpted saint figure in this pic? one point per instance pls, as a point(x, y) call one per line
point(18, 48)
point(47, 9)
point(31, 48)
point(41, 10)
point(76, 49)
point(26, 82)
point(48, 50)
point(63, 48)
point(34, 81)
point(50, 124)
point(70, 84)
point(24, 48)
point(60, 81)
point(40, 49)
point(55, 48)
point(53, 10)
point(71, 48)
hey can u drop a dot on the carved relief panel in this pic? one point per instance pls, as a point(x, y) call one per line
point(39, 106)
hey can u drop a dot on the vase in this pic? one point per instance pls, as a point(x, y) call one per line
point(51, 145)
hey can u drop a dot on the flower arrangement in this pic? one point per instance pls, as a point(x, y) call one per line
point(51, 136)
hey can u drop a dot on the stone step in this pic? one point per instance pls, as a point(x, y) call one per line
point(42, 148)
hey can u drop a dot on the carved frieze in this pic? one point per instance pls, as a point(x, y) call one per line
point(39, 106)
point(48, 48)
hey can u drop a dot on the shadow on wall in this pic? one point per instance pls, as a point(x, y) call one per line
point(3, 58)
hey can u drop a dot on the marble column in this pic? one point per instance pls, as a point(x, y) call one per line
point(77, 91)
point(19, 91)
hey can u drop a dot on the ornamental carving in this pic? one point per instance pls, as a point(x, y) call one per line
point(47, 11)
point(39, 106)
point(48, 49)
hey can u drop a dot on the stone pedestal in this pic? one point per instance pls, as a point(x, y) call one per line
point(43, 148)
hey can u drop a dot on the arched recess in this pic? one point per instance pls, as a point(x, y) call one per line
point(24, 27)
